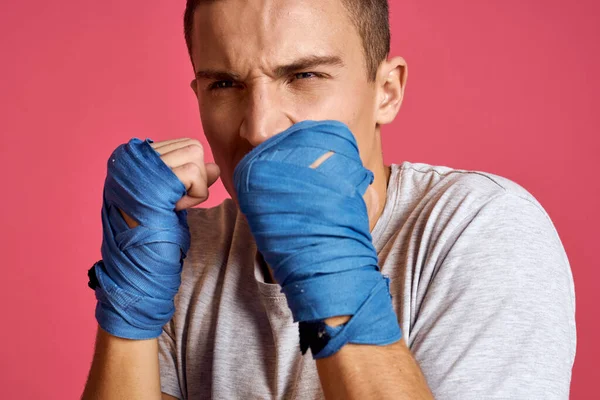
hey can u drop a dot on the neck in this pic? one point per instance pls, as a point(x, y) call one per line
point(376, 195)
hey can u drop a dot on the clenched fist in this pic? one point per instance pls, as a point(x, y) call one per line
point(185, 157)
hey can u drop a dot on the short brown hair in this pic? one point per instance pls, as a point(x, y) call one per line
point(371, 18)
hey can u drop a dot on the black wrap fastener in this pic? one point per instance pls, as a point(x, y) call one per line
point(313, 335)
point(93, 280)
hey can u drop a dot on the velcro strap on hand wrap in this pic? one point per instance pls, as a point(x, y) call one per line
point(140, 271)
point(312, 227)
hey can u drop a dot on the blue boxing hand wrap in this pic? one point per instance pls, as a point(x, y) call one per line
point(311, 226)
point(139, 274)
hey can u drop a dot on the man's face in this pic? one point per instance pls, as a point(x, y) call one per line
point(264, 65)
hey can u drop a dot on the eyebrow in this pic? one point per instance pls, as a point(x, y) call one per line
point(304, 63)
point(217, 75)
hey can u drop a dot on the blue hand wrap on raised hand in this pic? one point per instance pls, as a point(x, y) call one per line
point(140, 271)
point(312, 228)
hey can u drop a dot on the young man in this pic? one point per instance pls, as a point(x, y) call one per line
point(480, 284)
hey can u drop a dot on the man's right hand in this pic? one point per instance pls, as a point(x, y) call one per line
point(185, 157)
point(149, 186)
point(125, 368)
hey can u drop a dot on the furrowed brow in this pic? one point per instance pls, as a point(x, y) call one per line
point(216, 75)
point(307, 63)
point(300, 64)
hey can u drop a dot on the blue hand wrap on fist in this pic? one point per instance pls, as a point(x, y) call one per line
point(139, 274)
point(312, 228)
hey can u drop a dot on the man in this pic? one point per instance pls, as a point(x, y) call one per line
point(479, 279)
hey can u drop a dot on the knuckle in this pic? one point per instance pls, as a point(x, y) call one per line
point(194, 141)
point(195, 150)
point(191, 168)
point(187, 173)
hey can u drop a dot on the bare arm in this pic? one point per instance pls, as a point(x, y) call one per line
point(372, 372)
point(129, 369)
point(123, 369)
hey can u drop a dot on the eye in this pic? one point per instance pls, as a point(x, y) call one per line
point(221, 85)
point(305, 75)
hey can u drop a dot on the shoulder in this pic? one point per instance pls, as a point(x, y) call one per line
point(480, 222)
point(455, 196)
point(428, 177)
point(474, 224)
point(491, 270)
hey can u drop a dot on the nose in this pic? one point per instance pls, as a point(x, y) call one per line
point(265, 114)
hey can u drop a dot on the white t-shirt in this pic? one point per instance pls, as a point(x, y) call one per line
point(480, 282)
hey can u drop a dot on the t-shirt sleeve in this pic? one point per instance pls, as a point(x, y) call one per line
point(497, 320)
point(167, 356)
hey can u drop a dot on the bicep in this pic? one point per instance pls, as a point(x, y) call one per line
point(168, 397)
point(498, 317)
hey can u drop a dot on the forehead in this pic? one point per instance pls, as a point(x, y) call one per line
point(233, 33)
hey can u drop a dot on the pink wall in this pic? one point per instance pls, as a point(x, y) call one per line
point(508, 87)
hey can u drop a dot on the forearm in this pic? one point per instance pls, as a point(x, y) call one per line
point(373, 372)
point(123, 369)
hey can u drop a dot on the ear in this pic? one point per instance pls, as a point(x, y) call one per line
point(194, 86)
point(391, 81)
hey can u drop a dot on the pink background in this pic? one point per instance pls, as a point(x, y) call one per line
point(508, 87)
